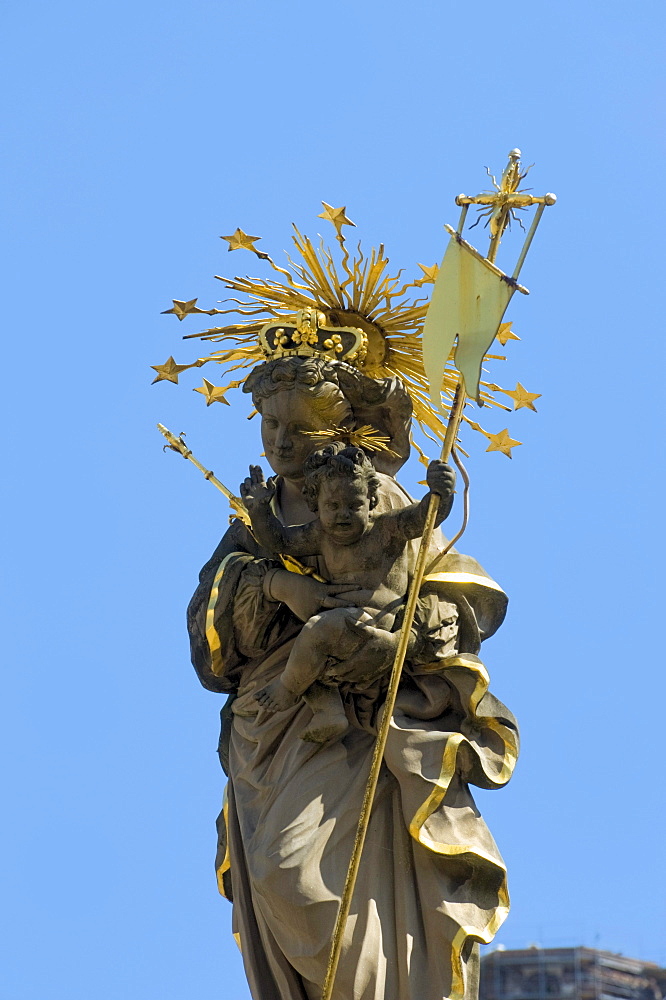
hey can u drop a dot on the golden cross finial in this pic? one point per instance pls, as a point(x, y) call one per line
point(503, 201)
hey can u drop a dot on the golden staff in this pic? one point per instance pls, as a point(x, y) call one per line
point(501, 202)
point(391, 694)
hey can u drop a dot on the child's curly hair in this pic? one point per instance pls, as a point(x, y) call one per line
point(338, 460)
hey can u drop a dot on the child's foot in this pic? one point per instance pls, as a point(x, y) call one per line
point(275, 697)
point(325, 726)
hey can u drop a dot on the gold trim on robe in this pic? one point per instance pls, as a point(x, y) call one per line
point(212, 636)
point(448, 769)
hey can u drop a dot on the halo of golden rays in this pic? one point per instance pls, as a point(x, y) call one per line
point(360, 291)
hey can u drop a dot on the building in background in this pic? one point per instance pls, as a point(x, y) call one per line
point(568, 974)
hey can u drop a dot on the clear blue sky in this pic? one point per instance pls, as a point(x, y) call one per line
point(136, 135)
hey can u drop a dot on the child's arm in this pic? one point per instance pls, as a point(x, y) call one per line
point(300, 540)
point(410, 521)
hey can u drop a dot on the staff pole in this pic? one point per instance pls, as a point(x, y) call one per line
point(455, 416)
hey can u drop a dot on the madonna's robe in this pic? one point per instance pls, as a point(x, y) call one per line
point(431, 883)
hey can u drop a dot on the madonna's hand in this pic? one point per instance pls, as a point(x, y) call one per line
point(307, 597)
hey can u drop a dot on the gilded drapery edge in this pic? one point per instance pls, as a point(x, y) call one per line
point(447, 770)
point(226, 861)
point(463, 578)
point(212, 635)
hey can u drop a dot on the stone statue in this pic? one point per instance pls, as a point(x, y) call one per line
point(328, 575)
point(432, 883)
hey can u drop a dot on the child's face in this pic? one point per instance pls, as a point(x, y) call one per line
point(344, 508)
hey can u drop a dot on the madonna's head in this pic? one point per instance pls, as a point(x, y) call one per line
point(297, 397)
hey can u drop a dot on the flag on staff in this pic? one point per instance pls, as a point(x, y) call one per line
point(471, 293)
point(468, 302)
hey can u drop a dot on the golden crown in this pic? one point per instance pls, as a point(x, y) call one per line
point(310, 336)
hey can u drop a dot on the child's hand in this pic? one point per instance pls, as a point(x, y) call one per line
point(441, 479)
point(255, 489)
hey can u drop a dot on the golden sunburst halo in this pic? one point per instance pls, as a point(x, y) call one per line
point(358, 290)
point(366, 437)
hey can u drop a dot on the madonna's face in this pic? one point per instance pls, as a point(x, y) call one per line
point(286, 417)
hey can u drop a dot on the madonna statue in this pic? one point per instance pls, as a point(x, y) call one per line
point(336, 359)
point(432, 884)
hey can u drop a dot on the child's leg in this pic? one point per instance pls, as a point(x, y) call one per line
point(320, 637)
point(324, 635)
point(328, 714)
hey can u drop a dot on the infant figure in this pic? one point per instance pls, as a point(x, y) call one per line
point(360, 547)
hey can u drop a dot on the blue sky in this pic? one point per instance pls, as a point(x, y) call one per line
point(138, 134)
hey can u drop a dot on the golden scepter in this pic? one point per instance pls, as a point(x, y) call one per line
point(177, 444)
point(468, 302)
point(236, 503)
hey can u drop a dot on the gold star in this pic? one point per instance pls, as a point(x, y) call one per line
point(506, 333)
point(502, 442)
point(336, 216)
point(213, 393)
point(241, 241)
point(169, 371)
point(181, 309)
point(521, 397)
point(429, 273)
